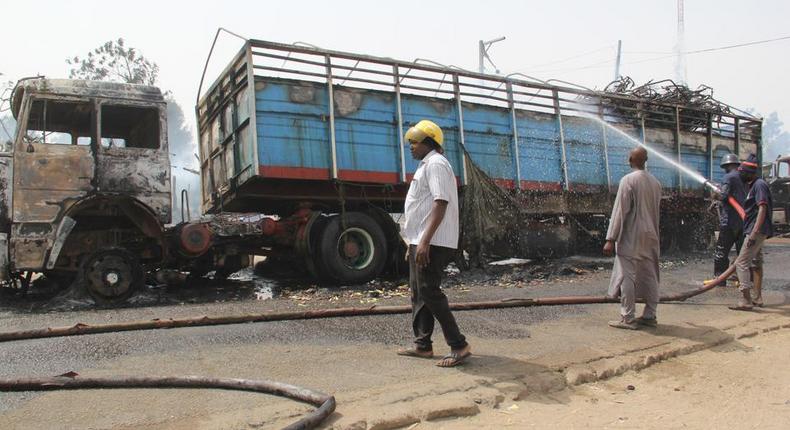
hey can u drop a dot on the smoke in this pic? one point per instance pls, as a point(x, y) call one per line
point(776, 140)
point(184, 164)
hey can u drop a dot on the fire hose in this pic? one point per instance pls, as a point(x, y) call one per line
point(71, 381)
point(83, 329)
point(325, 403)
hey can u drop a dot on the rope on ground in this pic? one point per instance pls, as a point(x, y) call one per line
point(70, 381)
point(83, 329)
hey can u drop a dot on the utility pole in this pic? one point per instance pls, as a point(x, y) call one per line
point(482, 50)
point(619, 57)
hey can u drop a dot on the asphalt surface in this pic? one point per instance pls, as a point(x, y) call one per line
point(573, 276)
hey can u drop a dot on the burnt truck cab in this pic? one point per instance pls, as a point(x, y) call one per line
point(777, 175)
point(85, 185)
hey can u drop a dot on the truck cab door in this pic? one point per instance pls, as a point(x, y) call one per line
point(132, 155)
point(53, 168)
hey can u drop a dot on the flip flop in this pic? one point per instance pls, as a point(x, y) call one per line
point(457, 359)
point(415, 353)
point(741, 308)
point(759, 304)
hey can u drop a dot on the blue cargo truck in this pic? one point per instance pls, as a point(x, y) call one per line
point(314, 138)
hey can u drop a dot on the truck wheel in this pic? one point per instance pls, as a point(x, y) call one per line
point(111, 276)
point(352, 248)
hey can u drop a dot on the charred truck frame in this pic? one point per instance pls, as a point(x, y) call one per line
point(313, 139)
point(87, 183)
point(86, 192)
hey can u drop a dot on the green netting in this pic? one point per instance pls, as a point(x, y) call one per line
point(492, 221)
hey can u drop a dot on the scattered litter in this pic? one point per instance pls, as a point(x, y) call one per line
point(452, 269)
point(510, 262)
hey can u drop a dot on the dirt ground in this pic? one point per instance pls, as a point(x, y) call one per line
point(739, 385)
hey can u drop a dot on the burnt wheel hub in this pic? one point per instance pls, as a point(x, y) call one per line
point(109, 275)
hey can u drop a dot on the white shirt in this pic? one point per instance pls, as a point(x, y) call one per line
point(433, 180)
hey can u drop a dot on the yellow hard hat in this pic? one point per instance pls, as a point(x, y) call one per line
point(424, 129)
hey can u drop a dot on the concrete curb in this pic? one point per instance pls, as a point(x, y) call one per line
point(468, 400)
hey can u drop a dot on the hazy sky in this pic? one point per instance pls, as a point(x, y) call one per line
point(39, 36)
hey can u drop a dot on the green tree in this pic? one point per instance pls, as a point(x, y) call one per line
point(114, 61)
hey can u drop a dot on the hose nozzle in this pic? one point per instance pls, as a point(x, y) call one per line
point(712, 186)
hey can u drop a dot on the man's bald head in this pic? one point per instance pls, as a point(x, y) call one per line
point(638, 157)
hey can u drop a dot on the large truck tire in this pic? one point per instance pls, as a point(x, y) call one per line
point(352, 249)
point(111, 276)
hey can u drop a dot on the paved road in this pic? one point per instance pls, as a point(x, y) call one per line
point(296, 351)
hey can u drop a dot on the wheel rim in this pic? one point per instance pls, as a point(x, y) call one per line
point(109, 276)
point(356, 248)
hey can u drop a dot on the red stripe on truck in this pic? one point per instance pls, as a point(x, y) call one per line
point(319, 173)
point(293, 172)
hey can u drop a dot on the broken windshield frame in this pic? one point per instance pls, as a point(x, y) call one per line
point(59, 122)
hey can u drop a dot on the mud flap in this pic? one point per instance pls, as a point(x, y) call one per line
point(64, 229)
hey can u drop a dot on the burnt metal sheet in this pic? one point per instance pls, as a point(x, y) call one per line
point(87, 89)
point(28, 252)
point(48, 177)
point(6, 190)
point(142, 174)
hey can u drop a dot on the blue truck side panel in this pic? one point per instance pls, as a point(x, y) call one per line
point(292, 123)
point(539, 150)
point(289, 133)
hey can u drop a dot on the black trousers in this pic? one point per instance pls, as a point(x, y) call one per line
point(429, 302)
point(721, 256)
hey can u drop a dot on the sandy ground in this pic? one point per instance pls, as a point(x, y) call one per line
point(739, 385)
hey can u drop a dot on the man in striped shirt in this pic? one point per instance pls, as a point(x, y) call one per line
point(431, 211)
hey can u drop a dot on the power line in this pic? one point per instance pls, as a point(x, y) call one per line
point(663, 55)
point(607, 63)
point(596, 65)
point(584, 54)
point(758, 42)
point(697, 51)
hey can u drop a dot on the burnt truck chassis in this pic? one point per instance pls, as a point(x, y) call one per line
point(85, 193)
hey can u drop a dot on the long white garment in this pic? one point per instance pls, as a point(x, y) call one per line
point(634, 229)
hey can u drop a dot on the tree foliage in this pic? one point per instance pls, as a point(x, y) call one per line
point(114, 61)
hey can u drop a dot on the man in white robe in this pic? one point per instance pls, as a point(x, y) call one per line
point(633, 237)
